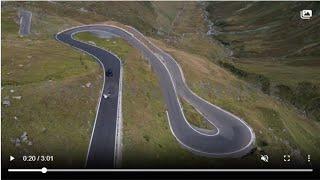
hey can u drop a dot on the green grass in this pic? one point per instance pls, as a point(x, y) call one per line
point(265, 29)
point(141, 15)
point(166, 14)
point(30, 62)
point(8, 23)
point(56, 109)
point(279, 72)
point(194, 117)
point(188, 30)
point(114, 45)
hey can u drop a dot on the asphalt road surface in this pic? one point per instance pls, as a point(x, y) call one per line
point(101, 153)
point(231, 137)
point(25, 22)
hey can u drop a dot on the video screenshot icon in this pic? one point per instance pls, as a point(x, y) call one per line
point(306, 14)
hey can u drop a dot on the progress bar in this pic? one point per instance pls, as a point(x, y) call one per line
point(45, 170)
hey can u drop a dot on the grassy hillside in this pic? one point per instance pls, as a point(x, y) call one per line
point(271, 41)
point(45, 84)
point(188, 32)
point(270, 38)
point(139, 14)
point(266, 29)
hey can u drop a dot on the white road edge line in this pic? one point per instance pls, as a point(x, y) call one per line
point(118, 152)
point(181, 109)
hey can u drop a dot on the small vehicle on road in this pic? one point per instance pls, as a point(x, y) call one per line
point(106, 96)
point(109, 73)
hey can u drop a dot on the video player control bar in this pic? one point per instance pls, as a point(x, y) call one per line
point(45, 170)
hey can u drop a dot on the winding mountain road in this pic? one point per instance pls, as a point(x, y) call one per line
point(231, 137)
